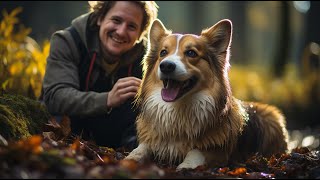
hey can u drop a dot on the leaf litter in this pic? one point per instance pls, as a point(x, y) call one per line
point(57, 154)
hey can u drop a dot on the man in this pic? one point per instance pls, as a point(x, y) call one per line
point(94, 70)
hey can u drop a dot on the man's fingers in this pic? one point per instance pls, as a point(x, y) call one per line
point(128, 95)
point(128, 83)
point(131, 78)
point(124, 89)
point(128, 89)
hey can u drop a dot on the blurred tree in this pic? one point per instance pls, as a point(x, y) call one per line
point(283, 43)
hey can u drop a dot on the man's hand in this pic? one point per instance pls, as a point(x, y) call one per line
point(122, 90)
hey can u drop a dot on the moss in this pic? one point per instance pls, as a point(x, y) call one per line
point(7, 125)
point(21, 116)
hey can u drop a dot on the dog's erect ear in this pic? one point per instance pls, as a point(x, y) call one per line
point(219, 35)
point(157, 31)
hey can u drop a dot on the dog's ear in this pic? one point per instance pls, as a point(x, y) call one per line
point(157, 31)
point(219, 35)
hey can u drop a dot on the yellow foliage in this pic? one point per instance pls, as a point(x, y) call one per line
point(23, 60)
point(255, 83)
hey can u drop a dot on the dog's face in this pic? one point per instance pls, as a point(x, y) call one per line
point(178, 65)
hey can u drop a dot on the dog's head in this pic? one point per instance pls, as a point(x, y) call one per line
point(182, 64)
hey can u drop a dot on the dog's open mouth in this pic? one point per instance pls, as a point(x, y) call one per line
point(174, 89)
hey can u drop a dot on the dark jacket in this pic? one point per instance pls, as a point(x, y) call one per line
point(63, 93)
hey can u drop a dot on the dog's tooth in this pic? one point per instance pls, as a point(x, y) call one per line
point(165, 83)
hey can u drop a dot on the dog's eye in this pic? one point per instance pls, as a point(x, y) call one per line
point(163, 53)
point(191, 53)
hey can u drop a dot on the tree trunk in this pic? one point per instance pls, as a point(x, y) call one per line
point(282, 50)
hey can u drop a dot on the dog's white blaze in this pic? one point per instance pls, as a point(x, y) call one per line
point(179, 36)
point(181, 70)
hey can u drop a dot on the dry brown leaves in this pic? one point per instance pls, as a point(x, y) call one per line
point(57, 154)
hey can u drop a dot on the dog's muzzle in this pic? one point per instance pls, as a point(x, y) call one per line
point(172, 87)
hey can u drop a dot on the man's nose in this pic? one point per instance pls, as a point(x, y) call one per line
point(121, 30)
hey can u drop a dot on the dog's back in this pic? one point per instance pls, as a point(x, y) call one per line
point(264, 133)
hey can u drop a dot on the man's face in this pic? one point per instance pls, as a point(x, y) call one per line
point(121, 27)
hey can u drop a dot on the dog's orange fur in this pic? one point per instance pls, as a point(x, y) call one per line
point(206, 125)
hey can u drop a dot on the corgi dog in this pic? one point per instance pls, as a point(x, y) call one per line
point(188, 115)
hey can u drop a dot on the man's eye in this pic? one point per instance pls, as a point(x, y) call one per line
point(116, 21)
point(132, 27)
point(163, 53)
point(191, 53)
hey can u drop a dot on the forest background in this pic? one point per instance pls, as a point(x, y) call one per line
point(275, 50)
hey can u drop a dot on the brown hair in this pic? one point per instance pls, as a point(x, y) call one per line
point(100, 8)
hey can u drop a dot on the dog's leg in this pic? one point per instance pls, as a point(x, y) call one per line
point(193, 159)
point(140, 153)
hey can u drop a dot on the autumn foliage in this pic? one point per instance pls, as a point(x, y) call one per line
point(23, 60)
point(50, 156)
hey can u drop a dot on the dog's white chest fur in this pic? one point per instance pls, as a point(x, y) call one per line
point(175, 122)
point(171, 118)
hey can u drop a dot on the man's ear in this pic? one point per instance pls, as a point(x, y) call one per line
point(99, 21)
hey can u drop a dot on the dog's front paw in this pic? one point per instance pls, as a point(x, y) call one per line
point(187, 165)
point(193, 159)
point(138, 154)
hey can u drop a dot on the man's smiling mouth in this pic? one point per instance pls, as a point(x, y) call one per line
point(117, 40)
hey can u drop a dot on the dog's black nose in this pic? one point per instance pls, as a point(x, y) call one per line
point(167, 66)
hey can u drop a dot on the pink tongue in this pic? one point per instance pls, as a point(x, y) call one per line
point(170, 94)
